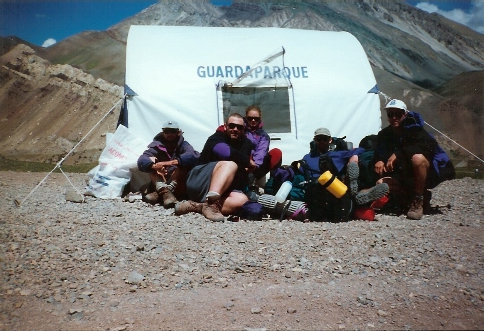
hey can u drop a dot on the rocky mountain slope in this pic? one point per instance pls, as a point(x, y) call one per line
point(46, 109)
point(423, 48)
point(433, 64)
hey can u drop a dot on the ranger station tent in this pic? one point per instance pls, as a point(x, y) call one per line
point(301, 79)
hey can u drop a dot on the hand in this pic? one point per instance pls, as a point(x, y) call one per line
point(161, 168)
point(379, 168)
point(389, 167)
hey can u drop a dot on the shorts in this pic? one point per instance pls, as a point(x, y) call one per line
point(198, 181)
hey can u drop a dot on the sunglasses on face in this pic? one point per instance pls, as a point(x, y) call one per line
point(322, 138)
point(250, 119)
point(168, 131)
point(232, 126)
point(395, 113)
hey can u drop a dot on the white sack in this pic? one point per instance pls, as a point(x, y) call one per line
point(108, 179)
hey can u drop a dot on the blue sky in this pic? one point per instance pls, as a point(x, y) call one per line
point(46, 22)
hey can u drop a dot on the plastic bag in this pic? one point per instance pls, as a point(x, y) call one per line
point(108, 179)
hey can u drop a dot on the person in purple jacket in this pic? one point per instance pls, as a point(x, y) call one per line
point(262, 160)
point(167, 160)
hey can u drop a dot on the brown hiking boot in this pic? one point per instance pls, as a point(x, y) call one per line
point(167, 196)
point(415, 211)
point(212, 212)
point(152, 198)
point(188, 206)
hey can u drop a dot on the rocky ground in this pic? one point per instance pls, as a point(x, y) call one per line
point(115, 265)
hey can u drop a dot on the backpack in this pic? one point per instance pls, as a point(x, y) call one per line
point(366, 162)
point(321, 204)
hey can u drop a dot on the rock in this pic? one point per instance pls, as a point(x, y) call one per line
point(255, 310)
point(72, 196)
point(135, 278)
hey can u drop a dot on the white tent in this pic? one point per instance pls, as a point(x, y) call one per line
point(302, 80)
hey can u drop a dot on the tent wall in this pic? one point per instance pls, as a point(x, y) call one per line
point(166, 66)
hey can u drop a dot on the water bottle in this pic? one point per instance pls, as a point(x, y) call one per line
point(332, 184)
point(283, 192)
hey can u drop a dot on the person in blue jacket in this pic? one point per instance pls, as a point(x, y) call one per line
point(409, 159)
point(168, 158)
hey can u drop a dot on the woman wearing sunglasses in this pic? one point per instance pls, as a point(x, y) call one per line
point(262, 160)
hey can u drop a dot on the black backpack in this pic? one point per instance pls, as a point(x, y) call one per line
point(322, 205)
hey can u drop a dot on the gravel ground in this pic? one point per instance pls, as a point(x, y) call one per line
point(116, 265)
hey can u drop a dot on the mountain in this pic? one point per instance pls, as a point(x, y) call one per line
point(433, 64)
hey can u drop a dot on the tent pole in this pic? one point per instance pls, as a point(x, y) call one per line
point(58, 165)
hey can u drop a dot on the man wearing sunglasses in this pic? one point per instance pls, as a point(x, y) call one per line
point(167, 160)
point(409, 159)
point(214, 187)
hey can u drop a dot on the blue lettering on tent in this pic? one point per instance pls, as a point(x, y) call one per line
point(266, 72)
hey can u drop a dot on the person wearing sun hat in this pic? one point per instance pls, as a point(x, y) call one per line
point(409, 159)
point(168, 158)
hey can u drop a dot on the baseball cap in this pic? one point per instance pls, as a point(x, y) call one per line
point(171, 125)
point(395, 103)
point(322, 132)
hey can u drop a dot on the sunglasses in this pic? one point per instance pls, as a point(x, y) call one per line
point(395, 113)
point(250, 118)
point(322, 138)
point(170, 131)
point(240, 127)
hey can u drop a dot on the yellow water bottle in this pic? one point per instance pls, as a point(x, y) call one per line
point(332, 184)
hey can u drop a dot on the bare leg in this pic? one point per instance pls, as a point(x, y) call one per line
point(420, 166)
point(222, 176)
point(233, 202)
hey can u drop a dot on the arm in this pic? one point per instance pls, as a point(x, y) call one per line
point(261, 149)
point(188, 156)
point(148, 158)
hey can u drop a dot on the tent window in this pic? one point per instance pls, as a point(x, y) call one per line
point(273, 101)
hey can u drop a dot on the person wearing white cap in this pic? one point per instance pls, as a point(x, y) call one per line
point(404, 159)
point(167, 160)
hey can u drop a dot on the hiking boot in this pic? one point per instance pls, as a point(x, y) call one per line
point(188, 206)
point(352, 173)
point(372, 194)
point(168, 197)
point(152, 198)
point(415, 212)
point(212, 212)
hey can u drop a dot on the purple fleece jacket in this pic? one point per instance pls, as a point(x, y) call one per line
point(187, 156)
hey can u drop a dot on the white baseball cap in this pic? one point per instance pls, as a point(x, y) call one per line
point(395, 103)
point(171, 125)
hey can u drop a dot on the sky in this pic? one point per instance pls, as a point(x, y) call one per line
point(45, 22)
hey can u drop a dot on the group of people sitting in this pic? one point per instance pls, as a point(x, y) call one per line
point(403, 162)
